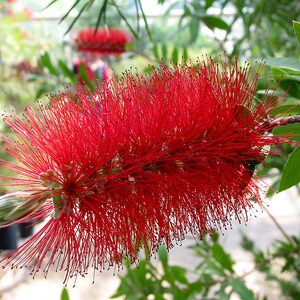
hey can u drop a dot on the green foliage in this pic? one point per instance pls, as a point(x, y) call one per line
point(285, 75)
point(214, 276)
point(254, 28)
point(280, 264)
point(296, 26)
point(64, 294)
point(83, 7)
point(214, 273)
point(174, 54)
point(291, 172)
point(61, 71)
point(58, 75)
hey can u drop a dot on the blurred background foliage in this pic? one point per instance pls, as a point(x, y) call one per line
point(36, 58)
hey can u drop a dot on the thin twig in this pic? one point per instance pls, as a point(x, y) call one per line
point(285, 121)
point(280, 228)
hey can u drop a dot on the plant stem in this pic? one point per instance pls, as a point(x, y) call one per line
point(280, 228)
point(285, 121)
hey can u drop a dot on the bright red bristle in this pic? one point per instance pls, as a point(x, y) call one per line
point(142, 161)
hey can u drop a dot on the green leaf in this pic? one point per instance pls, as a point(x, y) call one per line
point(290, 63)
point(158, 296)
point(211, 268)
point(164, 51)
point(155, 51)
point(45, 61)
point(290, 128)
point(163, 256)
point(43, 89)
point(222, 292)
point(102, 13)
point(64, 294)
point(214, 22)
point(185, 53)
point(135, 34)
point(286, 110)
point(145, 21)
point(292, 77)
point(90, 3)
point(142, 272)
point(247, 244)
point(240, 288)
point(179, 274)
point(195, 287)
point(148, 69)
point(208, 4)
point(291, 86)
point(84, 76)
point(296, 26)
point(175, 55)
point(222, 257)
point(281, 74)
point(49, 4)
point(67, 72)
point(68, 12)
point(77, 17)
point(194, 28)
point(291, 171)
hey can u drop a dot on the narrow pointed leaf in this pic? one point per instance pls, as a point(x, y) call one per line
point(214, 22)
point(240, 288)
point(67, 72)
point(68, 12)
point(296, 26)
point(76, 18)
point(49, 4)
point(194, 28)
point(46, 62)
point(102, 13)
point(64, 294)
point(164, 51)
point(163, 256)
point(84, 76)
point(291, 171)
point(185, 53)
point(222, 257)
point(175, 55)
point(155, 51)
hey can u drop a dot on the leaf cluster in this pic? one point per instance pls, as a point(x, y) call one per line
point(214, 275)
point(285, 75)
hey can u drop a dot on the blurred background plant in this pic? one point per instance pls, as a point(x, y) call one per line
point(214, 275)
point(36, 57)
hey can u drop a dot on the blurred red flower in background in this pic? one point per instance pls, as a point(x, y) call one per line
point(104, 41)
point(142, 161)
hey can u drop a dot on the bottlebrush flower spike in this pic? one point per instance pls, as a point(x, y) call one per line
point(104, 41)
point(143, 161)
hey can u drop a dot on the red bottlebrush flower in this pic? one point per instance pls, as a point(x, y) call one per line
point(142, 161)
point(104, 41)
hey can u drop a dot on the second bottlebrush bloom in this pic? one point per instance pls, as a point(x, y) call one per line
point(108, 41)
point(142, 161)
